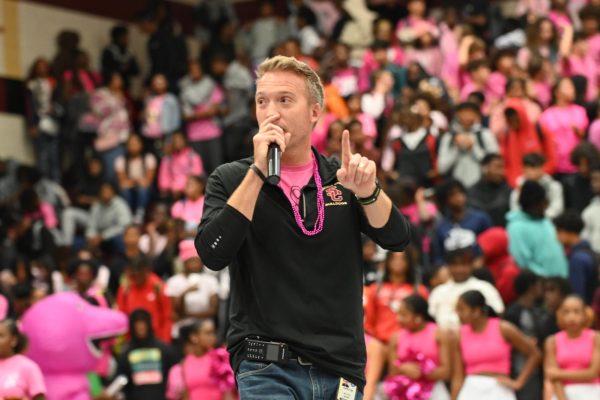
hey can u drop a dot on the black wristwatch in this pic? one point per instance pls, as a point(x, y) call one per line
point(365, 201)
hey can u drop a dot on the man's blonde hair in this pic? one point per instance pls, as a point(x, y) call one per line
point(290, 64)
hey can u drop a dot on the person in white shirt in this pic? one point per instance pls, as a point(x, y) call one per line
point(533, 170)
point(194, 294)
point(459, 260)
point(591, 214)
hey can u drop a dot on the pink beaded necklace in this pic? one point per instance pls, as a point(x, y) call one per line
point(320, 205)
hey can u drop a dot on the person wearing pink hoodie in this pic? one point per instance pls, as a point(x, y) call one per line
point(176, 167)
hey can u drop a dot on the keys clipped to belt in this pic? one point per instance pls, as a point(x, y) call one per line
point(262, 351)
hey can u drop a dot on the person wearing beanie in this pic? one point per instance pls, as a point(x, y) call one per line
point(194, 293)
point(532, 237)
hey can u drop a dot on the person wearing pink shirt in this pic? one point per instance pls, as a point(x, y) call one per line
point(566, 122)
point(201, 100)
point(579, 61)
point(20, 377)
point(573, 355)
point(419, 336)
point(204, 373)
point(417, 13)
point(559, 14)
point(541, 73)
point(425, 48)
point(189, 209)
point(344, 76)
point(449, 39)
point(542, 40)
point(176, 167)
point(486, 374)
point(481, 81)
point(383, 36)
point(369, 126)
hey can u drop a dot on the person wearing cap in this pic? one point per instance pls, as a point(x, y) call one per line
point(464, 147)
point(194, 294)
point(140, 288)
point(459, 258)
point(533, 170)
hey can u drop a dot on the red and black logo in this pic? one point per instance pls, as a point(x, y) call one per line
point(334, 194)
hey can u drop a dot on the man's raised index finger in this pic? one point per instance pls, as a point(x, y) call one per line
point(346, 149)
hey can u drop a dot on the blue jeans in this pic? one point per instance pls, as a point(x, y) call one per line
point(286, 381)
point(49, 163)
point(137, 197)
point(108, 162)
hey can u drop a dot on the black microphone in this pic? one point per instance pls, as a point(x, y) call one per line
point(274, 164)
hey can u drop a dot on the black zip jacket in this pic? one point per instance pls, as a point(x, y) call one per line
point(288, 287)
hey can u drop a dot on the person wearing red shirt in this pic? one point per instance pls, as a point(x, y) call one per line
point(141, 288)
point(383, 299)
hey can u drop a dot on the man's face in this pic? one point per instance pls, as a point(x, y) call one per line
point(589, 26)
point(460, 271)
point(495, 171)
point(533, 173)
point(467, 118)
point(286, 94)
point(457, 199)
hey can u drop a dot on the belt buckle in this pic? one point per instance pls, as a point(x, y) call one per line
point(305, 363)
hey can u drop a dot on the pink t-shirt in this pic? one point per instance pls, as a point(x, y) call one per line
point(586, 66)
point(20, 377)
point(197, 376)
point(206, 129)
point(188, 210)
point(152, 128)
point(346, 81)
point(594, 46)
point(293, 179)
point(543, 92)
point(559, 121)
point(431, 59)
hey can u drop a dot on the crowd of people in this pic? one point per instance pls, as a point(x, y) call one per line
point(486, 132)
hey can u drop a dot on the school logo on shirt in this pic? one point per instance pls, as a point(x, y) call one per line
point(335, 195)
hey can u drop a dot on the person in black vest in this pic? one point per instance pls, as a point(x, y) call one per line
point(295, 247)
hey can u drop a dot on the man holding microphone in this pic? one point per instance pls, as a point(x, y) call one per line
point(294, 248)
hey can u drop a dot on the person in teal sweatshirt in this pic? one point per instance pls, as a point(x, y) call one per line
point(532, 237)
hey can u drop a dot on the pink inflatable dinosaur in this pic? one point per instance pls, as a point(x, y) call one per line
point(61, 330)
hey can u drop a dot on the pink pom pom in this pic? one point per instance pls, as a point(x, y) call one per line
point(221, 372)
